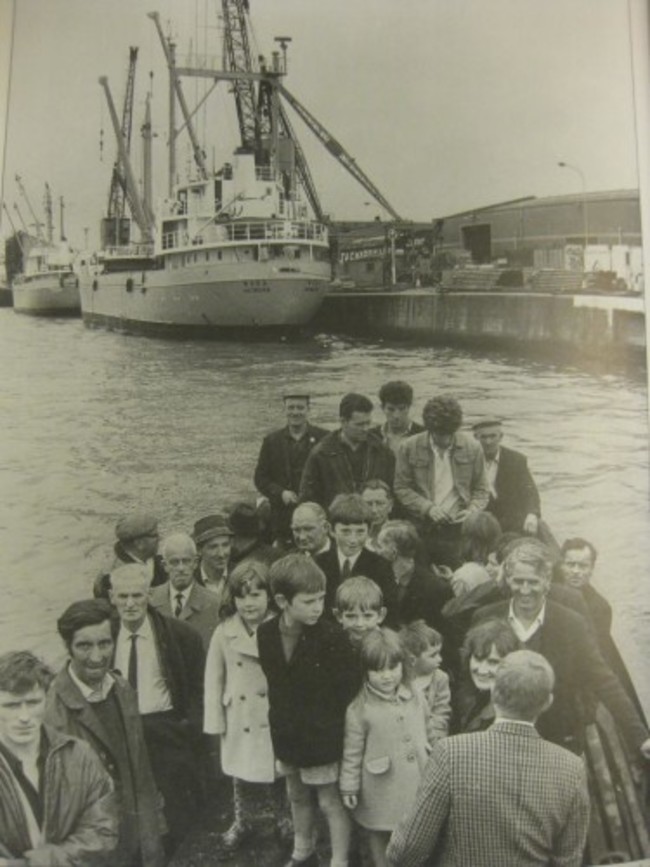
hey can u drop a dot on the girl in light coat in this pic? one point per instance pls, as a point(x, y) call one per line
point(385, 747)
point(236, 706)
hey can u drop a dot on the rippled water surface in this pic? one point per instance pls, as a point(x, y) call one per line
point(94, 424)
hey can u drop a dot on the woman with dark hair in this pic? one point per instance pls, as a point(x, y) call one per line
point(485, 646)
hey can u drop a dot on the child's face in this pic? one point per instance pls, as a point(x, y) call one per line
point(357, 621)
point(253, 605)
point(429, 660)
point(386, 680)
point(350, 538)
point(305, 608)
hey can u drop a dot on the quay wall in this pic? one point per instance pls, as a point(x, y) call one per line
point(590, 326)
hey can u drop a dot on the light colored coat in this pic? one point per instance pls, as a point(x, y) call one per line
point(415, 468)
point(436, 693)
point(384, 753)
point(237, 705)
point(201, 611)
point(500, 797)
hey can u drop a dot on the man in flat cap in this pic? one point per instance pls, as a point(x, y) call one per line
point(281, 462)
point(213, 537)
point(137, 542)
point(514, 499)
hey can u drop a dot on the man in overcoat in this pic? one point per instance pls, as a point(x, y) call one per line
point(281, 462)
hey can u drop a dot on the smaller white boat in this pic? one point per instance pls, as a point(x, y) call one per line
point(48, 284)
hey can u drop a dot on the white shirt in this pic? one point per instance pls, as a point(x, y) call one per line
point(153, 694)
point(491, 470)
point(343, 558)
point(96, 694)
point(443, 489)
point(525, 633)
point(518, 722)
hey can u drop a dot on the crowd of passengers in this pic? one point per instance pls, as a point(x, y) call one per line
point(393, 586)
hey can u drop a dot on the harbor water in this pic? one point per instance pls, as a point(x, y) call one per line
point(95, 424)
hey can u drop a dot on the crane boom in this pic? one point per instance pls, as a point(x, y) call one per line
point(37, 223)
point(117, 195)
point(238, 59)
point(337, 150)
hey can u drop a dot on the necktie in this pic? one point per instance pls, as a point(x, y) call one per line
point(345, 572)
point(133, 663)
point(179, 604)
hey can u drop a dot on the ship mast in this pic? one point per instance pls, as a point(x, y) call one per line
point(37, 223)
point(49, 219)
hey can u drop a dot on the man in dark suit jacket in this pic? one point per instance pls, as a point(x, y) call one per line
point(564, 639)
point(514, 499)
point(503, 796)
point(350, 519)
point(163, 660)
point(281, 462)
point(90, 702)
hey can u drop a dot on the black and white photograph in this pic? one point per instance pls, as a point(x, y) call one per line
point(325, 439)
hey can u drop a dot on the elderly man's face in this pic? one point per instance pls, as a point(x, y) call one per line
point(577, 567)
point(180, 560)
point(528, 589)
point(215, 553)
point(310, 532)
point(130, 596)
point(490, 437)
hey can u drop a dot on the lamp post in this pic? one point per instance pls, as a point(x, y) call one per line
point(581, 174)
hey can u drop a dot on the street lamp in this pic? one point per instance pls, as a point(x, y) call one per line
point(581, 174)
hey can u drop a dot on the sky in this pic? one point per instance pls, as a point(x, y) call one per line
point(446, 104)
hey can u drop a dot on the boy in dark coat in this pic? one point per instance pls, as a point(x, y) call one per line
point(308, 663)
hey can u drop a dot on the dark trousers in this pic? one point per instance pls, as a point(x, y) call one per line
point(173, 757)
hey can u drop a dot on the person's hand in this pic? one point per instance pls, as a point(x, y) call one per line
point(289, 498)
point(531, 524)
point(645, 748)
point(350, 801)
point(437, 515)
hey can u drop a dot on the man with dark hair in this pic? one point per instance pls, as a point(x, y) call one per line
point(164, 661)
point(502, 796)
point(350, 520)
point(281, 462)
point(344, 460)
point(396, 399)
point(578, 559)
point(56, 800)
point(440, 478)
point(563, 637)
point(137, 542)
point(514, 499)
point(90, 702)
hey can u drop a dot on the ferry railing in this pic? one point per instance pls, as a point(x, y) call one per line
point(245, 232)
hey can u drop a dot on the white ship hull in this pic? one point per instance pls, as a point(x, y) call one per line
point(47, 295)
point(210, 299)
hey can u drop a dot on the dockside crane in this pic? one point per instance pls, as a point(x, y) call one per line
point(264, 126)
point(116, 226)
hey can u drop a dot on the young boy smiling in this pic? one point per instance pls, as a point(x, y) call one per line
point(309, 665)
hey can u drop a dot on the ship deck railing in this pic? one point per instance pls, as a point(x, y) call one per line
point(130, 251)
point(245, 232)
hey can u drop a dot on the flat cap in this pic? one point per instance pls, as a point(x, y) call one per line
point(135, 526)
point(295, 395)
point(488, 421)
point(210, 527)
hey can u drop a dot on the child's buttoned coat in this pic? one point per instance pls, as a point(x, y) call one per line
point(237, 705)
point(384, 754)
